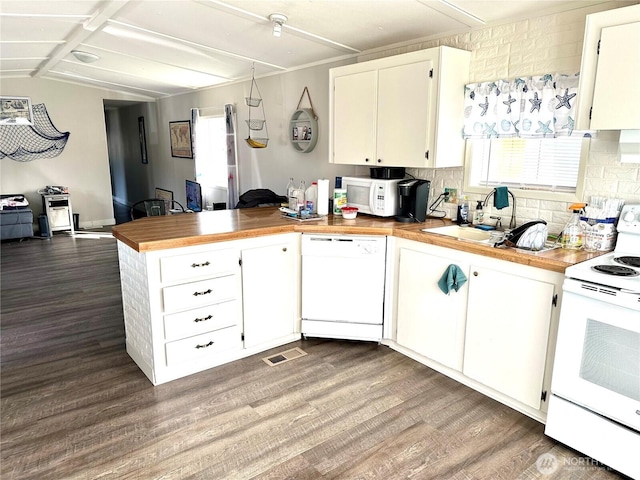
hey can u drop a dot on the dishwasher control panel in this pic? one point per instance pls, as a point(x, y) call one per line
point(343, 245)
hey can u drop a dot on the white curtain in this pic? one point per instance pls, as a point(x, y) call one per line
point(227, 143)
point(527, 107)
point(232, 158)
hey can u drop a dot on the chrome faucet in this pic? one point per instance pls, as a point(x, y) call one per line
point(512, 221)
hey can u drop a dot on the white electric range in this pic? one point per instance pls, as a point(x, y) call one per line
point(595, 402)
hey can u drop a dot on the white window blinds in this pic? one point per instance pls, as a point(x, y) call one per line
point(529, 164)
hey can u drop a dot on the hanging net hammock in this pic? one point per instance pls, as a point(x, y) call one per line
point(25, 143)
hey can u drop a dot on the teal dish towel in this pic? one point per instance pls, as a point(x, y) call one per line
point(501, 198)
point(452, 279)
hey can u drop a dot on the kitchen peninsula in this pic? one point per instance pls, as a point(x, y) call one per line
point(204, 289)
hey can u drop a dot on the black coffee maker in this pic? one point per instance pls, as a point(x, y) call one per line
point(413, 195)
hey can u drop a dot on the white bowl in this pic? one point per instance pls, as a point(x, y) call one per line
point(349, 213)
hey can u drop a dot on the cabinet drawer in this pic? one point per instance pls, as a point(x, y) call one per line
point(197, 265)
point(198, 294)
point(202, 346)
point(200, 320)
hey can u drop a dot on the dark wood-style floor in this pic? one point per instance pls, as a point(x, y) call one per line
point(75, 406)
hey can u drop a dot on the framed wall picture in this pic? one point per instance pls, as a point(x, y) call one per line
point(143, 140)
point(180, 134)
point(16, 111)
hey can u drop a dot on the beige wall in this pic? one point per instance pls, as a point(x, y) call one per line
point(270, 167)
point(82, 166)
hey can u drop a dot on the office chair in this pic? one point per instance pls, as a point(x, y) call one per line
point(153, 207)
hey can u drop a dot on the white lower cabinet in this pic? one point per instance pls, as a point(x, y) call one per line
point(183, 307)
point(496, 334)
point(192, 308)
point(507, 333)
point(270, 286)
point(429, 322)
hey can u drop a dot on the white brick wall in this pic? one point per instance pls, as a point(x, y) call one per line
point(546, 44)
point(135, 298)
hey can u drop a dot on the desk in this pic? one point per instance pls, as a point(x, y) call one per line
point(57, 207)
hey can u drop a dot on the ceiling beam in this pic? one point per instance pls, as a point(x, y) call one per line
point(149, 35)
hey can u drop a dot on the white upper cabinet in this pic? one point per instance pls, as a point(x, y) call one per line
point(608, 92)
point(354, 105)
point(403, 111)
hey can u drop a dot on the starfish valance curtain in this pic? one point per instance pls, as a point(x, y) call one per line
point(527, 107)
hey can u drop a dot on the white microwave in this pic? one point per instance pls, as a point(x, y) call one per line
point(372, 195)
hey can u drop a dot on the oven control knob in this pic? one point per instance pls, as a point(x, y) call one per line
point(630, 215)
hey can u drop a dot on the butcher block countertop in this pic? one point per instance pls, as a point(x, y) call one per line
point(183, 230)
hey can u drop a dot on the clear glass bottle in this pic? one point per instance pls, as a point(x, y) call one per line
point(290, 187)
point(300, 194)
point(573, 233)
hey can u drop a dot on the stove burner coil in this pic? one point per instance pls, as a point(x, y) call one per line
point(616, 270)
point(628, 260)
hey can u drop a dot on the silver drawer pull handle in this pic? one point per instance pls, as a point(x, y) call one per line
point(196, 265)
point(206, 345)
point(195, 294)
point(209, 317)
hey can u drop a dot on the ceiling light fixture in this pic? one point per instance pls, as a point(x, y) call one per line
point(85, 57)
point(277, 19)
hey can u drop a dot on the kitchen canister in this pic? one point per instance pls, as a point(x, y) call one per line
point(339, 200)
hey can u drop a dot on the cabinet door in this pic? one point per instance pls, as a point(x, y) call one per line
point(590, 62)
point(269, 298)
point(507, 333)
point(404, 93)
point(430, 322)
point(616, 96)
point(354, 119)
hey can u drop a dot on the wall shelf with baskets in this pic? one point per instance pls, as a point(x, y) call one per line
point(257, 138)
point(303, 127)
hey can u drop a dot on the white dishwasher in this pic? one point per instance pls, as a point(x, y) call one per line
point(343, 286)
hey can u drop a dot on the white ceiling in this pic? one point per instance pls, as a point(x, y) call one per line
point(156, 48)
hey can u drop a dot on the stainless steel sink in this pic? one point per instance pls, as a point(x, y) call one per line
point(461, 233)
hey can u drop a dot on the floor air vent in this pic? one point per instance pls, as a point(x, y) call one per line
point(284, 357)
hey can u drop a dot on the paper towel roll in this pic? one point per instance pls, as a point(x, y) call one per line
point(323, 196)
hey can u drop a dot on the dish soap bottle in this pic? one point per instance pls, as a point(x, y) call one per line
point(463, 211)
point(573, 232)
point(478, 214)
